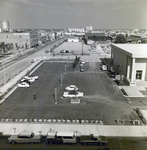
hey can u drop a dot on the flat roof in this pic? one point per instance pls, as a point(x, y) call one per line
point(133, 50)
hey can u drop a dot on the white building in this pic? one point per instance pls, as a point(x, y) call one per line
point(73, 39)
point(132, 59)
point(89, 28)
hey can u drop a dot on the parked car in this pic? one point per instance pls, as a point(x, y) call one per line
point(104, 67)
point(32, 61)
point(82, 62)
point(23, 84)
point(73, 94)
point(90, 139)
point(35, 77)
point(26, 81)
point(62, 51)
point(52, 139)
point(71, 88)
point(25, 137)
point(68, 51)
point(29, 79)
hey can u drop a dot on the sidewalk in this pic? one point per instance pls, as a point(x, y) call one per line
point(134, 91)
point(80, 129)
point(8, 88)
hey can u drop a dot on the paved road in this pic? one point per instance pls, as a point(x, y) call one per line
point(114, 144)
point(22, 62)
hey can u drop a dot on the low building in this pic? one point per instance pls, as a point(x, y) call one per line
point(131, 60)
point(96, 37)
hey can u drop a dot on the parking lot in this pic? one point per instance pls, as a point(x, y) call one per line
point(102, 99)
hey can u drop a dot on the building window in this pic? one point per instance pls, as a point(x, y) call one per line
point(138, 74)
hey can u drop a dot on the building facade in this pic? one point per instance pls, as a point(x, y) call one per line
point(26, 40)
point(132, 60)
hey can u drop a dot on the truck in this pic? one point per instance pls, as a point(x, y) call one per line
point(90, 139)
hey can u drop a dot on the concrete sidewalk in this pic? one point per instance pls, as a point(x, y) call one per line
point(80, 129)
point(133, 91)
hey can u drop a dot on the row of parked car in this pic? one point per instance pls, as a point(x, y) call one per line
point(26, 81)
point(56, 138)
point(72, 92)
point(66, 51)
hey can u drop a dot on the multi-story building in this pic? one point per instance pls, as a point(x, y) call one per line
point(22, 39)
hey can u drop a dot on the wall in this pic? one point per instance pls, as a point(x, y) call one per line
point(120, 58)
point(141, 64)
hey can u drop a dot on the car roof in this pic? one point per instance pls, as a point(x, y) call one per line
point(25, 133)
point(51, 135)
point(65, 133)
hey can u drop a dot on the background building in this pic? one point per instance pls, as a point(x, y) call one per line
point(131, 60)
point(22, 39)
point(4, 25)
point(89, 28)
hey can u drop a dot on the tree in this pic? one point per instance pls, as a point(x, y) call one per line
point(76, 62)
point(120, 39)
point(3, 48)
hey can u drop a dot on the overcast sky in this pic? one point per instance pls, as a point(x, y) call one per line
point(57, 14)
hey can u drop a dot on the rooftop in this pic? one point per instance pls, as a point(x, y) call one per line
point(133, 50)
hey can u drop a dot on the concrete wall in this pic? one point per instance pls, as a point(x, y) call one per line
point(120, 59)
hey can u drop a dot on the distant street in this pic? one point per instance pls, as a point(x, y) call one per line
point(19, 64)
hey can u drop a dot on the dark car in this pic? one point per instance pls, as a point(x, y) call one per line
point(26, 81)
point(62, 51)
point(68, 51)
point(52, 139)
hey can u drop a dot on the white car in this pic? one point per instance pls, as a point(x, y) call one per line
point(25, 137)
point(30, 79)
point(76, 94)
point(71, 88)
point(23, 84)
point(104, 67)
point(35, 77)
point(82, 62)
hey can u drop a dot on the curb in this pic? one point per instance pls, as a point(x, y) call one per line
point(50, 121)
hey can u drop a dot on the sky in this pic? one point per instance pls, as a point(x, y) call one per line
point(62, 14)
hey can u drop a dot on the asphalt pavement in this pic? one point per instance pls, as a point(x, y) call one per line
point(13, 127)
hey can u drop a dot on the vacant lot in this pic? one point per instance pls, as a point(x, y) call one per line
point(102, 99)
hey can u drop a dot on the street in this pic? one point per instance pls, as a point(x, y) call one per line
point(114, 144)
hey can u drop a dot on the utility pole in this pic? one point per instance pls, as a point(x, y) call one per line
point(55, 96)
point(61, 79)
point(82, 48)
point(65, 68)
